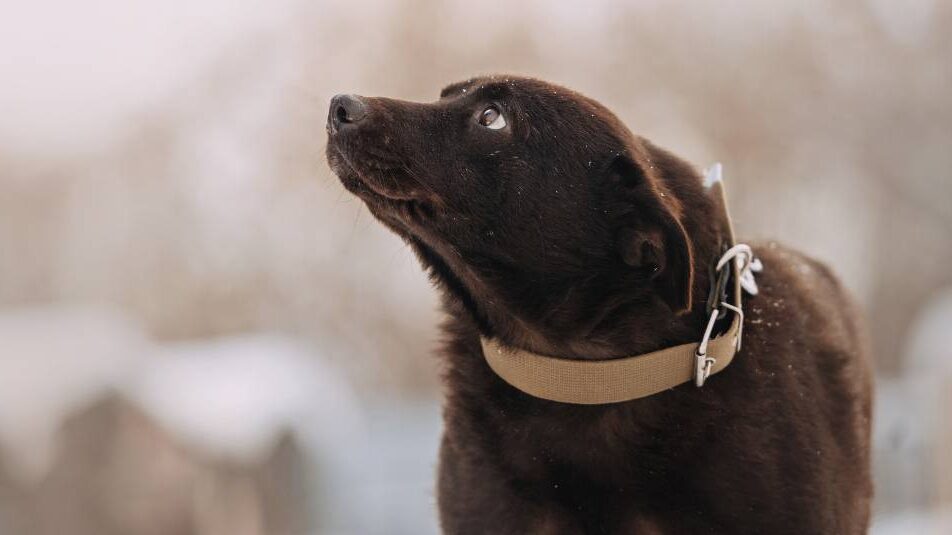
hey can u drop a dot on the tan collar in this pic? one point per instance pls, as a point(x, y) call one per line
point(587, 382)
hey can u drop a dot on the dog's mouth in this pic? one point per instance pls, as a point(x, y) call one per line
point(384, 183)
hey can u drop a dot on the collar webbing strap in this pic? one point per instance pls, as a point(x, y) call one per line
point(594, 382)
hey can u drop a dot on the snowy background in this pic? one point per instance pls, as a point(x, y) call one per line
point(202, 334)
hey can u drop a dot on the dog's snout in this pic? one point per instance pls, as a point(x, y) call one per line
point(345, 110)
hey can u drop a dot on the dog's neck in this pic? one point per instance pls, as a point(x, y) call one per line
point(624, 327)
point(623, 324)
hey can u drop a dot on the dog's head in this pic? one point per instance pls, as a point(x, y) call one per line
point(532, 204)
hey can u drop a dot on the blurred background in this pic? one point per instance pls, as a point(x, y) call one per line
point(202, 334)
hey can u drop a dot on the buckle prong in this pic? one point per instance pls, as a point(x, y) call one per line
point(702, 362)
point(702, 368)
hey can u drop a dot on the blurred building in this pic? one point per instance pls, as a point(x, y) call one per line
point(117, 473)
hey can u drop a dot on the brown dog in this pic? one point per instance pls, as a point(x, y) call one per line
point(550, 228)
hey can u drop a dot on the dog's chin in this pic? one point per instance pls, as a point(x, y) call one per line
point(387, 191)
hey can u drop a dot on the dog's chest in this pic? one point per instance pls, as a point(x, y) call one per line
point(616, 453)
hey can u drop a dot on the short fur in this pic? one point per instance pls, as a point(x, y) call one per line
point(564, 234)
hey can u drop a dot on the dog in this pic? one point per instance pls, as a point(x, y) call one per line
point(550, 228)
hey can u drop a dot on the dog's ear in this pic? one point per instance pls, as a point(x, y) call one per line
point(654, 242)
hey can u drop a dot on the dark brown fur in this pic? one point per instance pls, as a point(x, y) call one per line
point(565, 234)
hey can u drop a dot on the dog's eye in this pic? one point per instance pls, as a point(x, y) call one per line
point(492, 118)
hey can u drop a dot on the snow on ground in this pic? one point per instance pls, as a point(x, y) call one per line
point(384, 482)
point(234, 396)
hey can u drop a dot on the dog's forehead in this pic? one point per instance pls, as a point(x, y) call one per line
point(497, 86)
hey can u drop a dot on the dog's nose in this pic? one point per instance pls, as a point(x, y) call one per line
point(345, 110)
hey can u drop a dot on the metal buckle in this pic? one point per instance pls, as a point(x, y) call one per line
point(742, 255)
point(704, 363)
